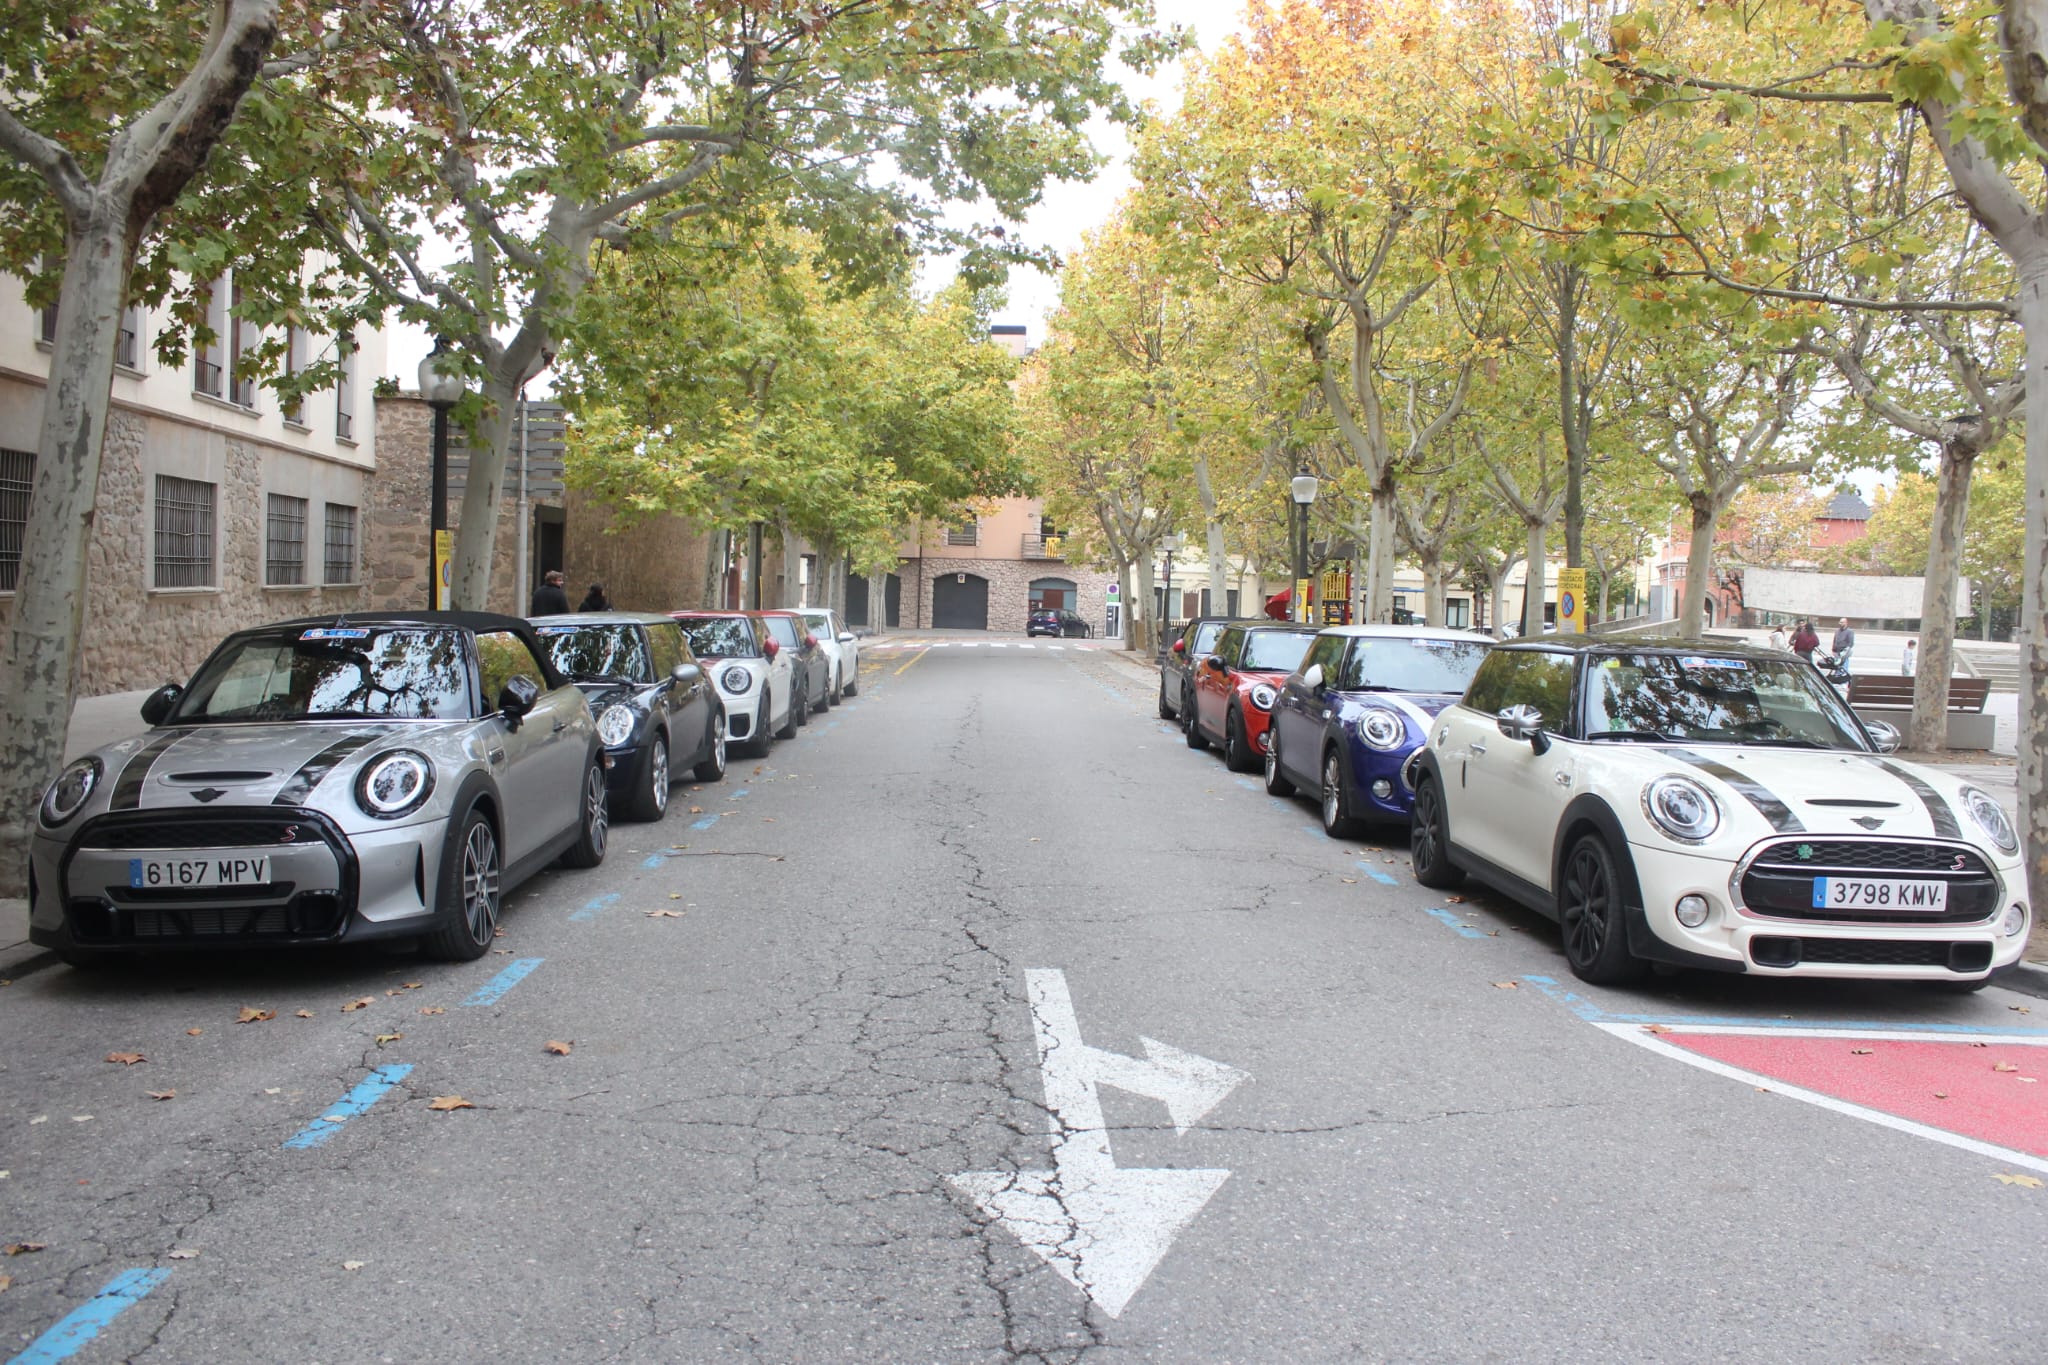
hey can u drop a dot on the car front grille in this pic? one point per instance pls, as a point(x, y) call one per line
point(233, 830)
point(1778, 882)
point(1775, 951)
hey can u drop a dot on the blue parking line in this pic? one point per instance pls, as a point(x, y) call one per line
point(656, 861)
point(492, 991)
point(706, 823)
point(357, 1101)
point(738, 794)
point(83, 1323)
point(1382, 878)
point(1248, 785)
point(1463, 929)
point(1593, 1014)
point(590, 911)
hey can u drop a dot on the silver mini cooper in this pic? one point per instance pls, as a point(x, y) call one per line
point(324, 781)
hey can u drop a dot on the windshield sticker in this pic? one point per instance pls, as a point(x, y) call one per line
point(554, 630)
point(1700, 661)
point(1435, 644)
point(335, 633)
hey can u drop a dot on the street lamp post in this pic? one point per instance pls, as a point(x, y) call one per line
point(1303, 488)
point(441, 386)
point(1169, 546)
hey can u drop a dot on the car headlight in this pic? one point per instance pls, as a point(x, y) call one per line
point(394, 784)
point(615, 726)
point(1263, 697)
point(1990, 818)
point(1380, 728)
point(68, 793)
point(736, 680)
point(1682, 808)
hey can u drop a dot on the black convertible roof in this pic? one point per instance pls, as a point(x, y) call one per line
point(475, 622)
point(1643, 644)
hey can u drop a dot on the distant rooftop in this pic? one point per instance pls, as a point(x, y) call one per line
point(1847, 507)
point(1007, 329)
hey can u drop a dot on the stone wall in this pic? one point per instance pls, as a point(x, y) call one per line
point(1009, 588)
point(647, 563)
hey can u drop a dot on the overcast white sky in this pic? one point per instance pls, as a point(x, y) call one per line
point(1069, 208)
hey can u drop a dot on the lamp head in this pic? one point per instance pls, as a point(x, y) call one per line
point(441, 376)
point(1303, 485)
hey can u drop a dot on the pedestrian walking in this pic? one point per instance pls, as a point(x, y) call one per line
point(1779, 639)
point(1804, 641)
point(548, 598)
point(595, 600)
point(1844, 641)
point(1910, 660)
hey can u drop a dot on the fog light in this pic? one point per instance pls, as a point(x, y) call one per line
point(2015, 921)
point(1382, 788)
point(1692, 911)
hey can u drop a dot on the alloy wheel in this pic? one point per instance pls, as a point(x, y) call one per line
point(1584, 912)
point(596, 811)
point(480, 882)
point(657, 777)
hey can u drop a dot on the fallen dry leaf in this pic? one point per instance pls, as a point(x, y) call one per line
point(1941, 1094)
point(353, 1265)
point(556, 1046)
point(1507, 985)
point(6, 1283)
point(2020, 1009)
point(498, 932)
point(675, 895)
point(384, 1038)
point(1656, 1028)
point(432, 1009)
point(664, 914)
point(2032, 1182)
point(414, 985)
point(394, 991)
point(81, 1118)
point(1348, 881)
point(696, 810)
point(1034, 841)
point(273, 1090)
point(182, 1254)
point(767, 819)
point(161, 1094)
point(2027, 1080)
point(1859, 1052)
point(194, 1032)
point(250, 1015)
point(359, 1004)
point(443, 1103)
point(2004, 1066)
point(304, 1014)
point(502, 952)
point(22, 1248)
point(126, 1058)
point(1454, 900)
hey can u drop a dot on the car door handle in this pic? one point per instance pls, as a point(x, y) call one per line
point(560, 725)
point(1479, 748)
point(495, 755)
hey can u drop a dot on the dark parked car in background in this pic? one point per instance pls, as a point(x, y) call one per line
point(1176, 670)
point(656, 710)
point(1060, 622)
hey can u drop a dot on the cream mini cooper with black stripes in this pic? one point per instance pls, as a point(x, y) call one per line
point(1710, 805)
point(323, 781)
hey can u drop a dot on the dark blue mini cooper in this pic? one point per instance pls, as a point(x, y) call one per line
point(1348, 719)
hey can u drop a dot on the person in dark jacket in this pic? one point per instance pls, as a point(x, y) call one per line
point(595, 600)
point(1804, 641)
point(548, 598)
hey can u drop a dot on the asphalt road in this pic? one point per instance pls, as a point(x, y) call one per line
point(799, 1030)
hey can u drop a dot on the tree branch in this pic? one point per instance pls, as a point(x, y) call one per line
point(50, 161)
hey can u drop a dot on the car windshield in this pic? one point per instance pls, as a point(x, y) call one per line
point(1276, 651)
point(720, 637)
point(1205, 637)
point(1410, 665)
point(1709, 698)
point(820, 625)
point(784, 630)
point(338, 672)
point(593, 652)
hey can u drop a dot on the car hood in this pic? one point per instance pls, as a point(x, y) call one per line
point(1795, 791)
point(193, 767)
point(1420, 707)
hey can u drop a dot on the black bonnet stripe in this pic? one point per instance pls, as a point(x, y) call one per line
point(1937, 809)
point(128, 790)
point(300, 784)
point(1768, 805)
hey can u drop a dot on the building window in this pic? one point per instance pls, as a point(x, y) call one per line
point(298, 344)
point(184, 533)
point(243, 339)
point(47, 329)
point(966, 533)
point(284, 552)
point(17, 476)
point(341, 544)
point(208, 356)
point(1458, 613)
point(128, 340)
point(345, 390)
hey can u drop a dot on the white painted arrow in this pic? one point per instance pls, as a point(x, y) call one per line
point(1101, 1228)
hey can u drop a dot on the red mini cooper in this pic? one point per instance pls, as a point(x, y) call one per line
point(1235, 688)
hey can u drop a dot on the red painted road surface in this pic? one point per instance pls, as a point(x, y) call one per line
point(1905, 1079)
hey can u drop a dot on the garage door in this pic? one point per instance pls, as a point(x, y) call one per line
point(960, 602)
point(857, 600)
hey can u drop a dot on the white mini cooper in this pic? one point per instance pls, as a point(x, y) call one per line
point(1714, 806)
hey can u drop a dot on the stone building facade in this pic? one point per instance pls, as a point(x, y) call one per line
point(1011, 588)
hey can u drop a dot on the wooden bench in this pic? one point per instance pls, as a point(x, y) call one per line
point(1878, 696)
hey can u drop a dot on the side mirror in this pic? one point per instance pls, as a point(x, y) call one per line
point(687, 675)
point(517, 699)
point(1180, 647)
point(816, 643)
point(771, 648)
point(1884, 735)
point(1523, 723)
point(1313, 678)
point(1215, 661)
point(156, 707)
point(845, 637)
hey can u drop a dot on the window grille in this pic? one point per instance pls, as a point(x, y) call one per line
point(345, 391)
point(17, 477)
point(184, 533)
point(341, 544)
point(967, 533)
point(207, 371)
point(284, 552)
point(128, 341)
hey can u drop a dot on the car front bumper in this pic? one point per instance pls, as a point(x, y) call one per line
point(1735, 938)
point(326, 885)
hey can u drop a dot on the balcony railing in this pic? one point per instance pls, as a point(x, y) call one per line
point(1045, 547)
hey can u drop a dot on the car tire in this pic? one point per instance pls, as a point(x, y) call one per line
point(797, 706)
point(1592, 918)
point(1237, 750)
point(594, 822)
point(471, 894)
point(711, 768)
point(1337, 821)
point(838, 687)
point(825, 698)
point(650, 790)
point(1166, 711)
point(761, 740)
point(1429, 840)
point(1191, 725)
point(852, 685)
point(1277, 783)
